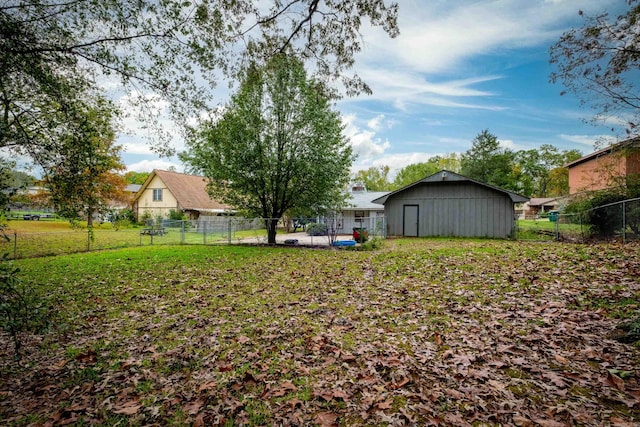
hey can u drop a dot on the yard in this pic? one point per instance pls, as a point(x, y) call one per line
point(423, 331)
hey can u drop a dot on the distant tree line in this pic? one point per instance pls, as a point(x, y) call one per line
point(533, 173)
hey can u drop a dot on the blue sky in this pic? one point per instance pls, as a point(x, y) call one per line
point(458, 67)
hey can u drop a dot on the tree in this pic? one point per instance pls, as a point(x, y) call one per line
point(136, 177)
point(53, 52)
point(416, 171)
point(278, 145)
point(487, 162)
point(83, 176)
point(375, 178)
point(599, 63)
point(537, 166)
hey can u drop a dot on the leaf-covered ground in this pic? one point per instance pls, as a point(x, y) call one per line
point(420, 332)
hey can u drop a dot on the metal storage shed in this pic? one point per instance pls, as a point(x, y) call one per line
point(449, 204)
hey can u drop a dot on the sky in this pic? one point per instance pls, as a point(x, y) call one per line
point(458, 67)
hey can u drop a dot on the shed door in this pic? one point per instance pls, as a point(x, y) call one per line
point(410, 221)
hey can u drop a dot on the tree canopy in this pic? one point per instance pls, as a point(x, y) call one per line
point(488, 162)
point(416, 171)
point(599, 63)
point(375, 178)
point(538, 172)
point(83, 172)
point(53, 52)
point(278, 145)
point(133, 177)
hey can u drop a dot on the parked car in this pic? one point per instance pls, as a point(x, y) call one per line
point(31, 217)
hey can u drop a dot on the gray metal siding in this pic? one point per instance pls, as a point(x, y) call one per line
point(463, 209)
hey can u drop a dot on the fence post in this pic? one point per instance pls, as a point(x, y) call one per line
point(182, 239)
point(624, 224)
point(89, 240)
point(15, 245)
point(229, 230)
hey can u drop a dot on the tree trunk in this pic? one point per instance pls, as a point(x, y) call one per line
point(89, 218)
point(272, 229)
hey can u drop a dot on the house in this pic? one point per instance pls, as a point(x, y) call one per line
point(539, 205)
point(604, 168)
point(449, 204)
point(164, 191)
point(361, 211)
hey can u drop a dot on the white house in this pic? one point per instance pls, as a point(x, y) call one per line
point(361, 212)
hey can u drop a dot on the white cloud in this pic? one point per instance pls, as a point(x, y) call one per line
point(508, 144)
point(375, 124)
point(149, 165)
point(438, 36)
point(136, 134)
point(403, 88)
point(364, 142)
point(589, 140)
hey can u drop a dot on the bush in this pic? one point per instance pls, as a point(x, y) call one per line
point(21, 310)
point(315, 229)
point(603, 220)
point(176, 215)
point(372, 244)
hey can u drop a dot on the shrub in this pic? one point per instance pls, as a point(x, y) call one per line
point(603, 220)
point(176, 215)
point(21, 310)
point(315, 229)
point(372, 244)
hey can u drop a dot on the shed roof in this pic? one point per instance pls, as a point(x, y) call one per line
point(189, 190)
point(448, 176)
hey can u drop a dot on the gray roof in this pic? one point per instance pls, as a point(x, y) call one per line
point(133, 188)
point(364, 200)
point(445, 175)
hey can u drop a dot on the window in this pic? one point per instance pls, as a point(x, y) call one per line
point(157, 194)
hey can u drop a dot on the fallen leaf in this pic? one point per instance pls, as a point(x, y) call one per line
point(128, 408)
point(438, 339)
point(199, 421)
point(521, 421)
point(326, 419)
point(615, 381)
point(387, 404)
point(206, 386)
point(194, 407)
point(549, 423)
point(561, 359)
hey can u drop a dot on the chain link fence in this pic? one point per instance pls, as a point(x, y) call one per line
point(619, 221)
point(204, 231)
point(614, 221)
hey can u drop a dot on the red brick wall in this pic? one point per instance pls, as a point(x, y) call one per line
point(597, 173)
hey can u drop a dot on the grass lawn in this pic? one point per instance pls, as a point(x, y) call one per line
point(57, 237)
point(422, 331)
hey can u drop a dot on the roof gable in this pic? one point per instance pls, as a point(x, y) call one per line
point(448, 176)
point(189, 190)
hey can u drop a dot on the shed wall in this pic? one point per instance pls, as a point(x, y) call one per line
point(462, 209)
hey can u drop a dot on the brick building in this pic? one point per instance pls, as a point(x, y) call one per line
point(604, 168)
